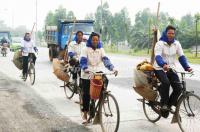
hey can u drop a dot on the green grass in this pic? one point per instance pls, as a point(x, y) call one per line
point(15, 46)
point(132, 52)
point(136, 52)
point(191, 57)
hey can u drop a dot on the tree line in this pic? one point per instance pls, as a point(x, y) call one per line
point(119, 29)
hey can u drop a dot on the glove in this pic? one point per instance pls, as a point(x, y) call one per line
point(115, 72)
point(36, 49)
point(87, 71)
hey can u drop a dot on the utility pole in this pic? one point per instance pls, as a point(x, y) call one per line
point(36, 20)
point(12, 19)
point(101, 19)
point(197, 19)
point(149, 43)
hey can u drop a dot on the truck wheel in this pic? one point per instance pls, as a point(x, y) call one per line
point(51, 54)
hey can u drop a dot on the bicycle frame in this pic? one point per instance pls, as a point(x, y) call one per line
point(185, 92)
point(30, 59)
point(102, 96)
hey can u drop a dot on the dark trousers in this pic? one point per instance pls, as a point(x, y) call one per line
point(86, 94)
point(76, 71)
point(25, 63)
point(167, 79)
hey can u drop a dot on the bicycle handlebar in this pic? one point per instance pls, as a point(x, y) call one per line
point(182, 73)
point(99, 73)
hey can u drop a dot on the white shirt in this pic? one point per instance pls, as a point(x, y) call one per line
point(76, 48)
point(168, 53)
point(27, 47)
point(94, 57)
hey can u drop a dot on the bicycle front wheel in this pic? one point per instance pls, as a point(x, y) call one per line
point(69, 90)
point(188, 113)
point(31, 73)
point(109, 114)
point(151, 110)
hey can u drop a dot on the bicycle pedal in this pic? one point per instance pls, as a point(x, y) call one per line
point(141, 100)
point(78, 102)
point(96, 119)
point(174, 119)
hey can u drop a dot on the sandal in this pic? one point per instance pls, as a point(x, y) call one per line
point(84, 117)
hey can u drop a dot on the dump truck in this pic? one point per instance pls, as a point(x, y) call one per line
point(7, 35)
point(57, 37)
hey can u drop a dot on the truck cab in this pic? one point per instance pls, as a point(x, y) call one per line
point(7, 35)
point(57, 37)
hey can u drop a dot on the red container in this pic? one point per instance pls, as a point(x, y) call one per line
point(95, 88)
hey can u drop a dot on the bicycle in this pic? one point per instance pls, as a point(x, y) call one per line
point(4, 49)
point(184, 112)
point(105, 110)
point(72, 87)
point(31, 69)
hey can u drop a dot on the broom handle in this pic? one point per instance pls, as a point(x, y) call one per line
point(70, 37)
point(32, 29)
point(155, 35)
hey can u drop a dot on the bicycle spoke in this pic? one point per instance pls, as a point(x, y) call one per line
point(69, 90)
point(109, 114)
point(188, 110)
point(151, 110)
point(31, 73)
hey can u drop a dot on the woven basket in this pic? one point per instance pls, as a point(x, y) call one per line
point(62, 75)
point(59, 68)
point(17, 60)
point(146, 92)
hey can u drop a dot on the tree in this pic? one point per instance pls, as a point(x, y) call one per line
point(186, 21)
point(106, 21)
point(122, 24)
point(140, 31)
point(59, 14)
point(3, 26)
point(40, 35)
point(70, 15)
point(50, 19)
point(20, 31)
point(144, 20)
point(187, 31)
point(89, 16)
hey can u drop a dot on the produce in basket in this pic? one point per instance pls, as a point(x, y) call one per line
point(141, 83)
point(60, 70)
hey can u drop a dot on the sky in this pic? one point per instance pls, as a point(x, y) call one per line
point(23, 12)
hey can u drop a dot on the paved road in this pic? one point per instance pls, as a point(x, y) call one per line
point(132, 116)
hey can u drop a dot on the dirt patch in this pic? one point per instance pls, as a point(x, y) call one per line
point(22, 110)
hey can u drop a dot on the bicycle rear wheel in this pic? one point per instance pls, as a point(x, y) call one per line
point(188, 113)
point(151, 110)
point(109, 114)
point(31, 73)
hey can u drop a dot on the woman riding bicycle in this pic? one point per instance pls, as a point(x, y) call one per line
point(92, 58)
point(166, 50)
point(74, 51)
point(27, 47)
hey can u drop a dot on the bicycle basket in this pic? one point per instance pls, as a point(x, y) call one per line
point(62, 75)
point(17, 60)
point(95, 88)
point(143, 82)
